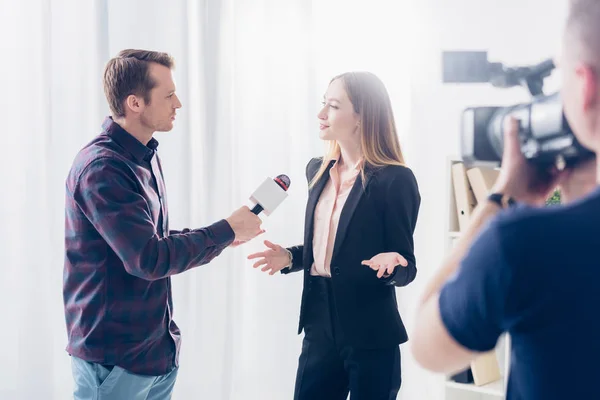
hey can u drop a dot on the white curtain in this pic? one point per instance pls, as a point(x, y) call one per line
point(250, 74)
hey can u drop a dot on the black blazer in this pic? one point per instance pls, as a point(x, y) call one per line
point(379, 218)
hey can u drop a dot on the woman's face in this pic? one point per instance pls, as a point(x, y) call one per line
point(337, 119)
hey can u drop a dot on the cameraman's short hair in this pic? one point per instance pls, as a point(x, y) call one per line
point(129, 73)
point(583, 27)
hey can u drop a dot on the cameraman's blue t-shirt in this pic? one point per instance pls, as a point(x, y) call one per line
point(534, 273)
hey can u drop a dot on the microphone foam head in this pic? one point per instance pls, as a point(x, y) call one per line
point(283, 181)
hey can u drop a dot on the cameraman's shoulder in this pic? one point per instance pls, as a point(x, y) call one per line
point(522, 213)
point(523, 223)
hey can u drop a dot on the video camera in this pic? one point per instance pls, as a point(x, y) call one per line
point(545, 136)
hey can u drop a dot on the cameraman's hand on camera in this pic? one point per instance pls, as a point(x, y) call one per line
point(578, 181)
point(245, 225)
point(518, 178)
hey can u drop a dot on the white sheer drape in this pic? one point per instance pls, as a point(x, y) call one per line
point(250, 74)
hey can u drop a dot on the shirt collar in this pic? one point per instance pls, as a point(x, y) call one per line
point(128, 141)
point(357, 166)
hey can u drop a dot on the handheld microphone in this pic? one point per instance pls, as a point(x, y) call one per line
point(270, 194)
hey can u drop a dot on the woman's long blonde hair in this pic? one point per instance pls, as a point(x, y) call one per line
point(379, 142)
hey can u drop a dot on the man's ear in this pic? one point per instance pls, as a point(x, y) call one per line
point(590, 85)
point(134, 103)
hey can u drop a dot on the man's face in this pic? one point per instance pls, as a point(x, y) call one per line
point(159, 114)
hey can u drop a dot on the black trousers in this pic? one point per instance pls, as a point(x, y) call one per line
point(328, 368)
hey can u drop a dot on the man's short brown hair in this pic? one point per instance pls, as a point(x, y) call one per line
point(583, 29)
point(129, 73)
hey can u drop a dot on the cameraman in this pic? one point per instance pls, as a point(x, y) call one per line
point(530, 270)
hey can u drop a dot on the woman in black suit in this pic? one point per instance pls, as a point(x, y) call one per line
point(358, 246)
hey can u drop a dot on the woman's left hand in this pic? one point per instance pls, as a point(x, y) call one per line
point(384, 263)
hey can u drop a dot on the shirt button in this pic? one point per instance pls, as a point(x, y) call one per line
point(336, 270)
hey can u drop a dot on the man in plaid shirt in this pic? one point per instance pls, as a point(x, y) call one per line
point(119, 252)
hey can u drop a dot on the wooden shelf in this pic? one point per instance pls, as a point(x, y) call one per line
point(461, 391)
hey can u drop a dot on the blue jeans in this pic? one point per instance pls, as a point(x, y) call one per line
point(95, 382)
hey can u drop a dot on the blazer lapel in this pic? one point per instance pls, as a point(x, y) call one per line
point(352, 201)
point(313, 199)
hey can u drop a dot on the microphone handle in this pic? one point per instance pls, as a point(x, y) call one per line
point(257, 209)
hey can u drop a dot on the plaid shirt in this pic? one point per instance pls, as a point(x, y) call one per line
point(118, 258)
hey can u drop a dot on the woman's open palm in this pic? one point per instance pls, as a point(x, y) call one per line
point(274, 259)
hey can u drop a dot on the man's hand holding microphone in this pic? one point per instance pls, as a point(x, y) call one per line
point(244, 222)
point(245, 225)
